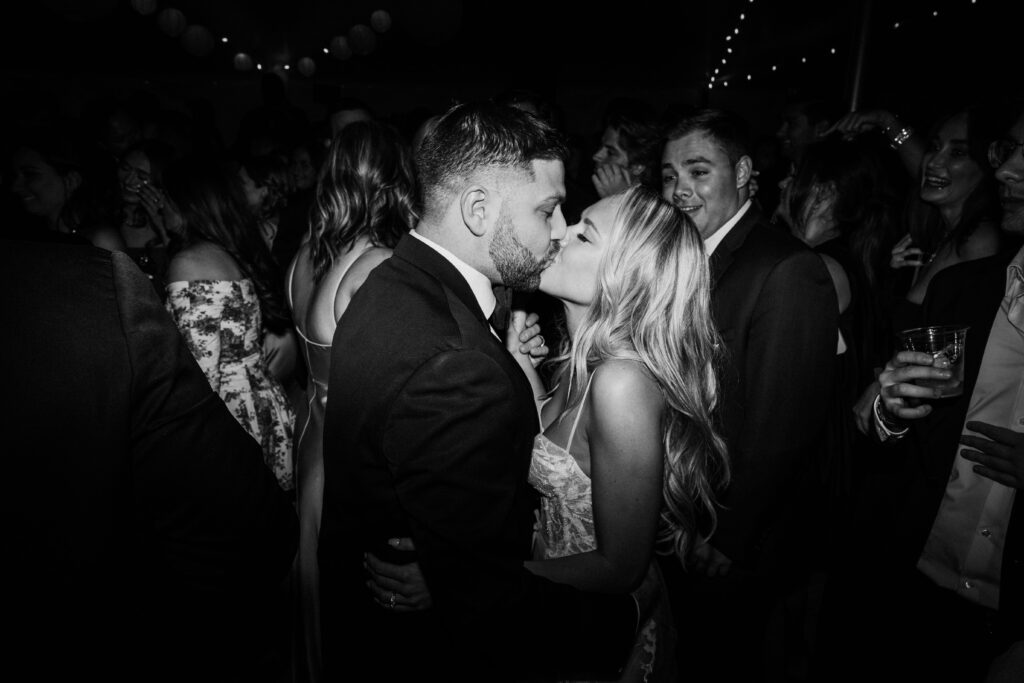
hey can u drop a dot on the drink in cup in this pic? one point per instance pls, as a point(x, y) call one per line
point(945, 343)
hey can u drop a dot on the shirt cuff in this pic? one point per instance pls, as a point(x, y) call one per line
point(881, 429)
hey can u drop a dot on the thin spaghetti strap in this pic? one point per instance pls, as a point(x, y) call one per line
point(579, 411)
point(291, 279)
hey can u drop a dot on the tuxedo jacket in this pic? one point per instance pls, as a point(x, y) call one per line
point(428, 434)
point(775, 307)
point(146, 538)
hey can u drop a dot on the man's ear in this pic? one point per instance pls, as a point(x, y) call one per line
point(744, 168)
point(474, 204)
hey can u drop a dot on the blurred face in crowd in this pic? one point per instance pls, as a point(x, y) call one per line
point(40, 187)
point(610, 152)
point(949, 174)
point(132, 173)
point(1010, 174)
point(529, 226)
point(254, 195)
point(572, 276)
point(302, 170)
point(697, 176)
point(795, 133)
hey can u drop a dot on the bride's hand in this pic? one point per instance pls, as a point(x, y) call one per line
point(524, 338)
point(398, 587)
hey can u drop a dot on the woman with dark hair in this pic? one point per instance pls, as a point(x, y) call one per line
point(146, 220)
point(224, 293)
point(266, 183)
point(955, 216)
point(62, 187)
point(838, 203)
point(364, 203)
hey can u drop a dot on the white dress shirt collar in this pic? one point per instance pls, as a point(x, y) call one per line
point(477, 281)
point(711, 243)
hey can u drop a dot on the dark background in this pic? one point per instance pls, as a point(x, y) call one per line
point(578, 54)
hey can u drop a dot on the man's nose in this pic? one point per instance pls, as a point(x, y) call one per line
point(682, 189)
point(558, 226)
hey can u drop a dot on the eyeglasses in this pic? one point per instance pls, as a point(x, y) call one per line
point(1000, 151)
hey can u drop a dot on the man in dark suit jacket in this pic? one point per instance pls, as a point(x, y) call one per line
point(775, 307)
point(146, 539)
point(430, 427)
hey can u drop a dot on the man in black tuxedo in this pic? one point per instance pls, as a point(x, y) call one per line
point(775, 307)
point(147, 539)
point(430, 427)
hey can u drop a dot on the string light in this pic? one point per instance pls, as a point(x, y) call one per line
point(224, 39)
point(326, 51)
point(805, 59)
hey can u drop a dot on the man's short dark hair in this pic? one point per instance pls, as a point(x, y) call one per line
point(473, 137)
point(724, 127)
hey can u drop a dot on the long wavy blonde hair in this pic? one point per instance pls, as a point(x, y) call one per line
point(653, 305)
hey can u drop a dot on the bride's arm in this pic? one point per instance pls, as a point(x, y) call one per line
point(624, 433)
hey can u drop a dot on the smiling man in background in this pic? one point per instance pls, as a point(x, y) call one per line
point(775, 307)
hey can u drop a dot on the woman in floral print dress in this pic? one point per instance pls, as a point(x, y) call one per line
point(225, 294)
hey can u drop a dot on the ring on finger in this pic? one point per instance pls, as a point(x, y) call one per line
point(391, 601)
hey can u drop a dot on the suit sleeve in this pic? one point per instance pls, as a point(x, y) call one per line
point(453, 440)
point(788, 371)
point(216, 519)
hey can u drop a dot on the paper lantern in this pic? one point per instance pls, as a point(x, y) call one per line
point(144, 7)
point(243, 62)
point(362, 38)
point(380, 21)
point(198, 41)
point(340, 47)
point(171, 21)
point(306, 66)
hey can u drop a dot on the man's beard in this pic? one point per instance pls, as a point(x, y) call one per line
point(516, 265)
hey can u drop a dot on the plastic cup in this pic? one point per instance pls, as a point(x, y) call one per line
point(946, 344)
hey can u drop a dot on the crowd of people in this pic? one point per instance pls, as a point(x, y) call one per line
point(370, 401)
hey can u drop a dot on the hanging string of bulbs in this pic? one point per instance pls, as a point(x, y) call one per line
point(722, 76)
point(199, 41)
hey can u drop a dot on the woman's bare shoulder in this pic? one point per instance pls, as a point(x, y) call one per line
point(203, 261)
